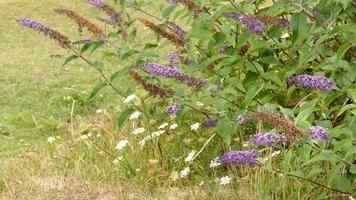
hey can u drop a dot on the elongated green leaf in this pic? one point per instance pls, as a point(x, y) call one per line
point(123, 117)
point(300, 28)
point(252, 92)
point(226, 129)
point(96, 89)
point(342, 50)
point(69, 59)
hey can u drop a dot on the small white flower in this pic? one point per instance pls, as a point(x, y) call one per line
point(99, 111)
point(184, 173)
point(225, 180)
point(246, 144)
point(215, 163)
point(200, 104)
point(130, 98)
point(163, 126)
point(351, 198)
point(51, 139)
point(117, 160)
point(142, 142)
point(190, 156)
point(201, 183)
point(135, 115)
point(275, 153)
point(121, 144)
point(138, 131)
point(173, 126)
point(195, 126)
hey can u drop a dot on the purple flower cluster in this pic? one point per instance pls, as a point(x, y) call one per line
point(173, 109)
point(239, 157)
point(223, 49)
point(97, 3)
point(210, 123)
point(267, 139)
point(45, 30)
point(253, 24)
point(35, 25)
point(318, 132)
point(315, 82)
point(177, 29)
point(114, 18)
point(174, 59)
point(283, 23)
point(156, 69)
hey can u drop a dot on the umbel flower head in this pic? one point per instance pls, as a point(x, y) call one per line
point(45, 30)
point(253, 24)
point(268, 139)
point(314, 82)
point(318, 132)
point(156, 69)
point(173, 109)
point(240, 157)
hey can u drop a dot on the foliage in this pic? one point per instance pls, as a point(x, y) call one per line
point(286, 67)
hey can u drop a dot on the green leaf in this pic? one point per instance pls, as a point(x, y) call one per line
point(123, 116)
point(345, 108)
point(96, 89)
point(168, 11)
point(342, 183)
point(119, 74)
point(69, 59)
point(327, 155)
point(300, 28)
point(342, 50)
point(252, 92)
point(226, 129)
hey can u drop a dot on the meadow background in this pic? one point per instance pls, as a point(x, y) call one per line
point(41, 99)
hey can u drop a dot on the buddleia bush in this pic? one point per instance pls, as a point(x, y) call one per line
point(268, 86)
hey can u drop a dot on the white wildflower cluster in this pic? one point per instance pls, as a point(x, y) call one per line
point(184, 173)
point(162, 126)
point(152, 136)
point(138, 131)
point(190, 156)
point(173, 126)
point(117, 160)
point(273, 154)
point(215, 163)
point(195, 126)
point(225, 180)
point(121, 144)
point(51, 139)
point(135, 115)
point(130, 98)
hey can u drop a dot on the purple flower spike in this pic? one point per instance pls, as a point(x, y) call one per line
point(267, 139)
point(174, 59)
point(114, 18)
point(97, 3)
point(35, 25)
point(210, 123)
point(315, 82)
point(318, 132)
point(253, 24)
point(177, 29)
point(156, 69)
point(173, 109)
point(240, 157)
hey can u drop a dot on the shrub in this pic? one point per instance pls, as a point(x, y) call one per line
point(282, 70)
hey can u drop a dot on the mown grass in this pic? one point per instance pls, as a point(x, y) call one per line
point(42, 98)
